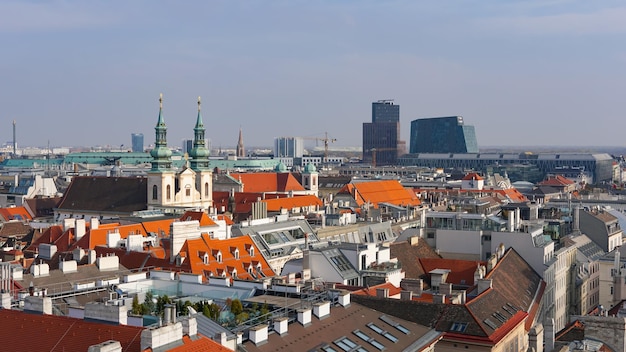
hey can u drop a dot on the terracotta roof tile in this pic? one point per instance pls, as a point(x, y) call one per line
point(461, 271)
point(62, 334)
point(292, 202)
point(381, 191)
point(268, 182)
point(15, 213)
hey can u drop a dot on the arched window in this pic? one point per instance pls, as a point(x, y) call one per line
point(155, 192)
point(168, 195)
point(206, 189)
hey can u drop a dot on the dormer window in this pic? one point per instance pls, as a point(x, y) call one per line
point(236, 253)
point(234, 273)
point(205, 258)
point(251, 251)
point(218, 257)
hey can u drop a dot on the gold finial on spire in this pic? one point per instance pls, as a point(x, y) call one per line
point(160, 100)
point(199, 102)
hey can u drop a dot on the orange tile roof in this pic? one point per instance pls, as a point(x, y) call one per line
point(59, 333)
point(201, 216)
point(15, 213)
point(268, 182)
point(472, 176)
point(557, 180)
point(226, 219)
point(196, 249)
point(292, 202)
point(201, 344)
point(381, 191)
point(461, 271)
point(371, 291)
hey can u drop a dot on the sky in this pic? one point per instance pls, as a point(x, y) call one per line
point(88, 73)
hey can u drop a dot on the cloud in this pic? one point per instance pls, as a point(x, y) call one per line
point(20, 16)
point(600, 21)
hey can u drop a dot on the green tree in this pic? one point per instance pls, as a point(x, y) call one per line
point(236, 307)
point(148, 303)
point(137, 308)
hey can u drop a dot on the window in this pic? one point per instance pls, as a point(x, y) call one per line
point(458, 327)
point(345, 344)
point(188, 191)
point(206, 189)
point(251, 251)
point(169, 191)
point(155, 192)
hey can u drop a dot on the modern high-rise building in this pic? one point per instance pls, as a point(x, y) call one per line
point(288, 147)
point(442, 135)
point(381, 137)
point(137, 142)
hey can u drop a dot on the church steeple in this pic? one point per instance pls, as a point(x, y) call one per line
point(199, 153)
point(161, 154)
point(241, 152)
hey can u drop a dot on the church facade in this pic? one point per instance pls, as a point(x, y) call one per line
point(174, 191)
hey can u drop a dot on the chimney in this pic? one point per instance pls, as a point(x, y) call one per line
point(258, 334)
point(439, 298)
point(382, 292)
point(491, 262)
point(68, 224)
point(406, 295)
point(5, 300)
point(281, 325)
point(39, 305)
point(190, 326)
point(321, 310)
point(445, 288)
point(79, 230)
point(484, 284)
point(304, 316)
point(106, 346)
point(344, 298)
point(549, 334)
point(94, 223)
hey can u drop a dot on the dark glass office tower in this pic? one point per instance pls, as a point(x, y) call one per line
point(381, 137)
point(137, 142)
point(442, 135)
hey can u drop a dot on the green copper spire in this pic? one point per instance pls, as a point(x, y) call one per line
point(161, 153)
point(199, 153)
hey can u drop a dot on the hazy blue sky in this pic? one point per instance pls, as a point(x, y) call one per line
point(522, 72)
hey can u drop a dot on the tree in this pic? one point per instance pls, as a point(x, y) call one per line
point(137, 308)
point(148, 303)
point(236, 307)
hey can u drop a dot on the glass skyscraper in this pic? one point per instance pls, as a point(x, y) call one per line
point(137, 142)
point(288, 147)
point(382, 135)
point(442, 135)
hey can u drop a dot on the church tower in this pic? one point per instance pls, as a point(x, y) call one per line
point(241, 152)
point(161, 177)
point(310, 179)
point(199, 163)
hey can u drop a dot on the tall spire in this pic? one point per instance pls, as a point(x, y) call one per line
point(161, 154)
point(199, 153)
point(241, 152)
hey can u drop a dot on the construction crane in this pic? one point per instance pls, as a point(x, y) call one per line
point(326, 141)
point(374, 150)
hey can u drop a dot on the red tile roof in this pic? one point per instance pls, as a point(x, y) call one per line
point(557, 180)
point(461, 271)
point(201, 216)
point(201, 344)
point(62, 334)
point(15, 213)
point(472, 176)
point(268, 182)
point(194, 250)
point(381, 191)
point(292, 202)
point(371, 291)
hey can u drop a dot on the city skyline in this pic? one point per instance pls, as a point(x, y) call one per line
point(521, 72)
